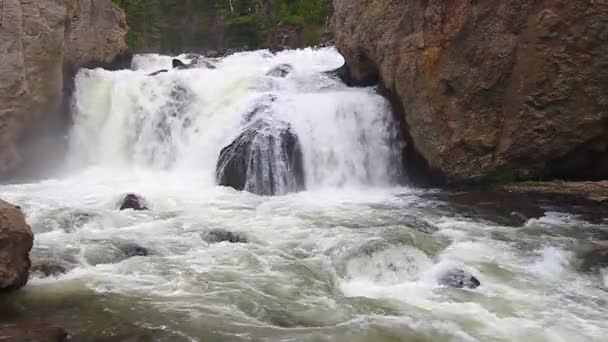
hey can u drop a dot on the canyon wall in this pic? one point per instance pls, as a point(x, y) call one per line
point(489, 90)
point(39, 40)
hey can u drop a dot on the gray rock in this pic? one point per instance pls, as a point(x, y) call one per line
point(459, 279)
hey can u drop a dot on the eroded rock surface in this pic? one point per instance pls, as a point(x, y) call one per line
point(489, 90)
point(16, 240)
point(39, 42)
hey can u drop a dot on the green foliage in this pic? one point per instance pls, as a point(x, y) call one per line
point(531, 183)
point(178, 25)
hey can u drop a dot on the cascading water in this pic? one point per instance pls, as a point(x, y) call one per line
point(351, 257)
point(183, 119)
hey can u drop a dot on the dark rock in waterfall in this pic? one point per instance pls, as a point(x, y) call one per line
point(133, 250)
point(158, 72)
point(32, 333)
point(593, 257)
point(343, 73)
point(281, 70)
point(221, 235)
point(45, 270)
point(459, 279)
point(133, 201)
point(177, 64)
point(265, 159)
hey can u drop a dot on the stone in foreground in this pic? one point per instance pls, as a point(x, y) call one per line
point(16, 241)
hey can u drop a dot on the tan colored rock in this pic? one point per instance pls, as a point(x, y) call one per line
point(489, 90)
point(37, 39)
point(16, 240)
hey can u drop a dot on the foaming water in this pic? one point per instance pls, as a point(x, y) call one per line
point(352, 258)
point(181, 119)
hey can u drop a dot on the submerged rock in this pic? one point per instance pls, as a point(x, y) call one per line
point(221, 235)
point(48, 270)
point(594, 257)
point(32, 333)
point(281, 70)
point(133, 250)
point(16, 241)
point(134, 202)
point(459, 279)
point(265, 159)
point(177, 64)
point(158, 72)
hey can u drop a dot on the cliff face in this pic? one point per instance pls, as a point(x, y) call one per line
point(37, 39)
point(489, 90)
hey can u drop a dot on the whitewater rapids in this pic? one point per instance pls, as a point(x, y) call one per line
point(354, 257)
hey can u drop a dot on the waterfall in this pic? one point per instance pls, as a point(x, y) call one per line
point(302, 127)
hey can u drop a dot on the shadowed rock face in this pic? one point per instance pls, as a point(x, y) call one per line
point(489, 90)
point(16, 240)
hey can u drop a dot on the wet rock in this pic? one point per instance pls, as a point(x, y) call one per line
point(281, 70)
point(158, 72)
point(133, 250)
point(134, 202)
point(593, 257)
point(177, 64)
point(32, 333)
point(265, 159)
point(221, 235)
point(459, 279)
point(48, 270)
point(16, 240)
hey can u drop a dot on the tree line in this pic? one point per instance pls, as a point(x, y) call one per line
point(197, 25)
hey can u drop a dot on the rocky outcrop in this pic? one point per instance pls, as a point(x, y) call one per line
point(39, 41)
point(16, 240)
point(489, 90)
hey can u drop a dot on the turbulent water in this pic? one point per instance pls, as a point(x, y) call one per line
point(354, 257)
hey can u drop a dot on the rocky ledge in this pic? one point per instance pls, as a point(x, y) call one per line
point(16, 240)
point(487, 90)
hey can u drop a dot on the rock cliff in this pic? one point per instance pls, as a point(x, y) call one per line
point(16, 241)
point(489, 90)
point(38, 40)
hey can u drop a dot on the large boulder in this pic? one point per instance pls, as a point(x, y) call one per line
point(42, 44)
point(16, 240)
point(489, 90)
point(265, 159)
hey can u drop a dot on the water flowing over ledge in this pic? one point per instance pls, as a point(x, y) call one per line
point(352, 257)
